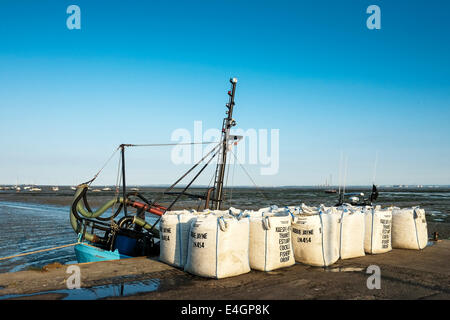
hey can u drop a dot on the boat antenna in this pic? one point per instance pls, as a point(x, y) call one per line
point(228, 122)
point(375, 168)
point(340, 175)
point(345, 174)
point(374, 194)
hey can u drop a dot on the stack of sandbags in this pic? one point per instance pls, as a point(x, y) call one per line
point(174, 229)
point(409, 228)
point(218, 246)
point(352, 232)
point(315, 237)
point(270, 239)
point(378, 230)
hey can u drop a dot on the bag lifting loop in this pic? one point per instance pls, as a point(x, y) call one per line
point(266, 223)
point(223, 224)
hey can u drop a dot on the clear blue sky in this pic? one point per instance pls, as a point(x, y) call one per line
point(138, 70)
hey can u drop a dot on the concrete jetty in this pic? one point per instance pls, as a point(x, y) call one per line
point(405, 274)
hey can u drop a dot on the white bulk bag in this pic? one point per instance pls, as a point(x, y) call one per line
point(307, 209)
point(352, 233)
point(315, 238)
point(250, 214)
point(174, 236)
point(378, 230)
point(238, 213)
point(218, 247)
point(270, 241)
point(294, 210)
point(409, 228)
point(230, 213)
point(267, 209)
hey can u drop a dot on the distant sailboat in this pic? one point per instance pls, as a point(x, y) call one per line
point(16, 187)
point(329, 185)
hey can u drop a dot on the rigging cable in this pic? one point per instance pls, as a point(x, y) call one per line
point(167, 144)
point(142, 145)
point(96, 175)
point(189, 171)
point(182, 192)
point(232, 183)
point(248, 175)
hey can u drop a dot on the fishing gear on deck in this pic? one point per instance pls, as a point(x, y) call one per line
point(357, 198)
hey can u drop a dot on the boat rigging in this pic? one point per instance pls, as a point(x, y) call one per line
point(104, 238)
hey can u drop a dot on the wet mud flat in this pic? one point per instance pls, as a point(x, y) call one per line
point(405, 274)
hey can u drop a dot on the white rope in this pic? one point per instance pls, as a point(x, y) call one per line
point(37, 251)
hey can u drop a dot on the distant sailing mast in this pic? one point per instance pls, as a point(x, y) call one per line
point(331, 189)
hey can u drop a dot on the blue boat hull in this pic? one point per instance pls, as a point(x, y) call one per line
point(89, 253)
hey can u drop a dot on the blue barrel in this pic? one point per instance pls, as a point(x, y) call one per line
point(125, 245)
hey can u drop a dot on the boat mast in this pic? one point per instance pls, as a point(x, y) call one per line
point(124, 186)
point(228, 122)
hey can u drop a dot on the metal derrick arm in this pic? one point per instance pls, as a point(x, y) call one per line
point(228, 122)
point(217, 197)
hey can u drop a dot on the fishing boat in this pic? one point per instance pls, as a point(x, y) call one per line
point(111, 238)
point(331, 190)
point(357, 198)
point(16, 187)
